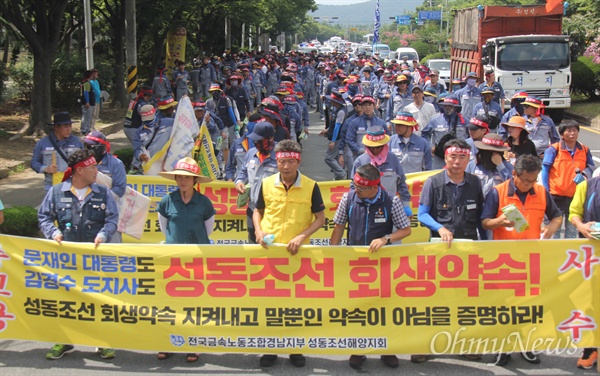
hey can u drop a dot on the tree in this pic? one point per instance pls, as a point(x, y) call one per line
point(39, 22)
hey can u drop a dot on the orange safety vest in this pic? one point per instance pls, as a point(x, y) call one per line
point(533, 210)
point(562, 171)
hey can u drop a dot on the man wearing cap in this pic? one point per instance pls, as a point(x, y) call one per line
point(338, 81)
point(240, 148)
point(495, 86)
point(226, 109)
point(97, 94)
point(260, 81)
point(51, 153)
point(469, 95)
point(307, 72)
point(289, 207)
point(401, 97)
point(208, 75)
point(185, 215)
point(259, 163)
point(412, 150)
point(181, 80)
point(388, 224)
point(422, 111)
point(434, 83)
point(241, 96)
point(445, 125)
point(133, 119)
point(273, 76)
point(516, 109)
point(215, 125)
point(150, 138)
point(378, 154)
point(83, 212)
point(451, 201)
point(345, 154)
point(534, 202)
point(333, 133)
point(488, 108)
point(358, 127)
point(566, 164)
point(270, 109)
point(290, 110)
point(489, 164)
point(166, 108)
point(542, 130)
point(107, 163)
point(478, 127)
point(384, 93)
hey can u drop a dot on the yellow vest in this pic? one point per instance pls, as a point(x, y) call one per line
point(287, 213)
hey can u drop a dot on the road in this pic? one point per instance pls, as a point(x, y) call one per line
point(27, 358)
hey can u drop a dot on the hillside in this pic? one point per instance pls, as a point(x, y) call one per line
point(364, 13)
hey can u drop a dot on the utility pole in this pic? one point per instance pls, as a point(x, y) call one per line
point(89, 46)
point(130, 48)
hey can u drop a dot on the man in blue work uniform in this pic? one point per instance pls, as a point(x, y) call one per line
point(412, 150)
point(469, 95)
point(488, 108)
point(50, 154)
point(259, 163)
point(109, 165)
point(133, 119)
point(374, 219)
point(84, 212)
point(358, 127)
point(338, 117)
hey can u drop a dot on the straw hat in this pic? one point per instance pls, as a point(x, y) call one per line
point(516, 122)
point(186, 167)
point(375, 137)
point(493, 142)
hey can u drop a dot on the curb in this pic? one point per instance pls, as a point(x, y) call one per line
point(107, 129)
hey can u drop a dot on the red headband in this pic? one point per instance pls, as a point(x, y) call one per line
point(148, 113)
point(362, 181)
point(457, 150)
point(479, 123)
point(375, 137)
point(187, 167)
point(288, 154)
point(85, 163)
point(100, 141)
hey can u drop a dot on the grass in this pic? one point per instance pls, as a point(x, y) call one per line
point(585, 107)
point(17, 170)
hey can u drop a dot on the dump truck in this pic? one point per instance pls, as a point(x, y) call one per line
point(524, 46)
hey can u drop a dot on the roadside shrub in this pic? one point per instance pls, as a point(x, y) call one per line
point(437, 55)
point(586, 77)
point(126, 156)
point(22, 75)
point(422, 48)
point(67, 72)
point(20, 221)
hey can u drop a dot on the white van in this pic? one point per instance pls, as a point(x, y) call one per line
point(382, 49)
point(410, 53)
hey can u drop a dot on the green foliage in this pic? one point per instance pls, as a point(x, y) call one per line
point(126, 156)
point(437, 55)
point(586, 77)
point(22, 75)
point(423, 49)
point(67, 72)
point(20, 221)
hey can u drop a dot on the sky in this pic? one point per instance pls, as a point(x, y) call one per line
point(339, 2)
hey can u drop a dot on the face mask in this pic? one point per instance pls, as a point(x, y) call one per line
point(471, 82)
point(352, 90)
point(216, 95)
point(455, 87)
point(265, 145)
point(449, 110)
point(519, 107)
point(99, 151)
point(429, 99)
point(234, 83)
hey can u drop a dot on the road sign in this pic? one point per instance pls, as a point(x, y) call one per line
point(403, 20)
point(430, 15)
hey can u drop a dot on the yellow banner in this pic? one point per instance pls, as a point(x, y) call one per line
point(204, 154)
point(230, 224)
point(476, 297)
point(175, 48)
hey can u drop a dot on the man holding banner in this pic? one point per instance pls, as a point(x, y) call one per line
point(375, 230)
point(84, 212)
point(290, 208)
point(534, 202)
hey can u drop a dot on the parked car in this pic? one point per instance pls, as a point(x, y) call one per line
point(443, 65)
